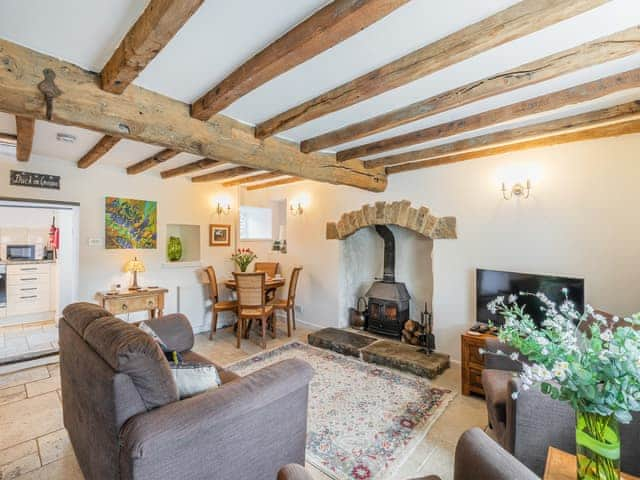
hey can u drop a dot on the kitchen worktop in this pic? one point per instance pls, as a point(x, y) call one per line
point(24, 262)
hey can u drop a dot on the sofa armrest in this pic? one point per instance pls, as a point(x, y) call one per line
point(247, 428)
point(175, 330)
point(479, 457)
point(535, 422)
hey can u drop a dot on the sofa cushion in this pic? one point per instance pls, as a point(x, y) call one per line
point(129, 350)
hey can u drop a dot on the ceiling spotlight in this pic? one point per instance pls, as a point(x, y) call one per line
point(66, 137)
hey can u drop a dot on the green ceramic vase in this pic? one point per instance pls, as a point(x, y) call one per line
point(174, 249)
point(597, 447)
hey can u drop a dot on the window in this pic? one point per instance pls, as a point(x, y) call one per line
point(256, 223)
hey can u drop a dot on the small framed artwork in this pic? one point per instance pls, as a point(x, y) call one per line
point(219, 235)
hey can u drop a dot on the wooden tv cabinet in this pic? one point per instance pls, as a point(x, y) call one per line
point(472, 362)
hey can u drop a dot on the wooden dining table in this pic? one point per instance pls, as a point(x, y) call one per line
point(270, 284)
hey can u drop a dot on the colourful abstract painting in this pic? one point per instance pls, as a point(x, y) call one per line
point(130, 223)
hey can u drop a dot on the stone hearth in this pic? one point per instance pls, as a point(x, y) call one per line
point(388, 353)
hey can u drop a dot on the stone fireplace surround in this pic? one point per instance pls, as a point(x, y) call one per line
point(361, 252)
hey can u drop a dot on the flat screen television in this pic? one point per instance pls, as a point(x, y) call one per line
point(492, 283)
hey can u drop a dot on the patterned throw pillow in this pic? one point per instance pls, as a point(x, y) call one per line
point(193, 378)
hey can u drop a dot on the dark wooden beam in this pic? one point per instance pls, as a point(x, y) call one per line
point(8, 138)
point(253, 178)
point(602, 50)
point(224, 174)
point(25, 128)
point(152, 161)
point(594, 124)
point(543, 103)
point(148, 117)
point(598, 118)
point(614, 130)
point(275, 183)
point(329, 26)
point(191, 167)
point(159, 22)
point(105, 144)
point(514, 22)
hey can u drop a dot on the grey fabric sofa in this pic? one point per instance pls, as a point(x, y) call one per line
point(125, 421)
point(528, 426)
point(477, 457)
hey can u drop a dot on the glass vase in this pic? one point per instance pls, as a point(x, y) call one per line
point(174, 249)
point(597, 447)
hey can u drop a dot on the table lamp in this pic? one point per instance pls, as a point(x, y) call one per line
point(134, 266)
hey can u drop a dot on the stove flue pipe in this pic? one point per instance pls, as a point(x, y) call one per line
point(389, 253)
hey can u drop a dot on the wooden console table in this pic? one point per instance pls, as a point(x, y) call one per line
point(472, 362)
point(127, 301)
point(562, 466)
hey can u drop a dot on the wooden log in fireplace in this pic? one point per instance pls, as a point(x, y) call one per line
point(412, 333)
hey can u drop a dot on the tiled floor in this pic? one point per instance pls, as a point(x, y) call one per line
point(34, 445)
point(18, 342)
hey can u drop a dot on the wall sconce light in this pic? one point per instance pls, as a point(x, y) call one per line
point(518, 190)
point(296, 210)
point(223, 210)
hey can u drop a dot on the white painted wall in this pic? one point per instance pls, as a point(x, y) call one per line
point(581, 220)
point(179, 201)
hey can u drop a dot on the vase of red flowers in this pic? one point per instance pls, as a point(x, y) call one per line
point(243, 258)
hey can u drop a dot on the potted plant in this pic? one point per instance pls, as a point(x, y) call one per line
point(243, 258)
point(586, 360)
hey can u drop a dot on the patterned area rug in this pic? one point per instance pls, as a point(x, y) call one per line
point(364, 420)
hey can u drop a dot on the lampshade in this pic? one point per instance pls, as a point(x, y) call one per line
point(134, 265)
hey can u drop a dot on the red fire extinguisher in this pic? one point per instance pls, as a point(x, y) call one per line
point(54, 237)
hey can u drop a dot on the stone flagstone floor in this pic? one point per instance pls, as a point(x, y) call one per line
point(29, 340)
point(35, 446)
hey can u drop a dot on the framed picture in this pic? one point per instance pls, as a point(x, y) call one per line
point(219, 235)
point(130, 223)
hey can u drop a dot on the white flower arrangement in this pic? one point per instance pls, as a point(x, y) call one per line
point(582, 359)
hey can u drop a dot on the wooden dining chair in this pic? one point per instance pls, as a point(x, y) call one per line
point(270, 268)
point(252, 304)
point(288, 305)
point(217, 306)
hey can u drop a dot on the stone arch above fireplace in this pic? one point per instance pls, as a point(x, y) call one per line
point(401, 213)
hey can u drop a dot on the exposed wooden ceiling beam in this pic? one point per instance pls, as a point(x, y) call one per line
point(105, 144)
point(191, 167)
point(602, 50)
point(329, 26)
point(25, 128)
point(152, 31)
point(8, 138)
point(543, 103)
point(585, 122)
point(253, 178)
point(614, 130)
point(224, 174)
point(144, 116)
point(275, 183)
point(152, 161)
point(514, 22)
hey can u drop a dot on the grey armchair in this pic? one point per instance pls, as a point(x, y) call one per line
point(125, 421)
point(528, 426)
point(477, 457)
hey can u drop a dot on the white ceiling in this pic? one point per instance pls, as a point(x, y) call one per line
point(223, 34)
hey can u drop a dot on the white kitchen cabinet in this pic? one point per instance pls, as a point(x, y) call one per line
point(28, 288)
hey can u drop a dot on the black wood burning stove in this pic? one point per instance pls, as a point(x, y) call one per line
point(388, 306)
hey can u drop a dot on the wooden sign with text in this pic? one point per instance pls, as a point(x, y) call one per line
point(37, 180)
